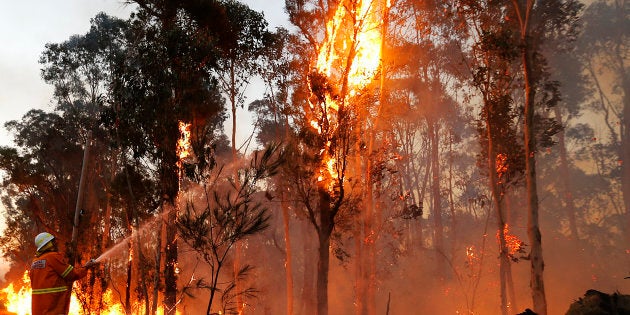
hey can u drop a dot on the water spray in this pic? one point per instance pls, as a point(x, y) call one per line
point(121, 245)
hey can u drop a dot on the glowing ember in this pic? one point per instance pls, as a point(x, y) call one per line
point(470, 254)
point(183, 144)
point(512, 242)
point(501, 164)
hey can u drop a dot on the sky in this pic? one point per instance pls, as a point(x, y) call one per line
point(27, 26)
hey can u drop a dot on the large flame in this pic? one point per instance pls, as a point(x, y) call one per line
point(366, 45)
point(17, 299)
point(354, 30)
point(17, 296)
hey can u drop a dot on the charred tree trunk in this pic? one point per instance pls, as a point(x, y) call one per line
point(497, 198)
point(288, 258)
point(500, 214)
point(510, 279)
point(625, 145)
point(159, 253)
point(129, 280)
point(323, 262)
point(308, 303)
point(170, 264)
point(133, 219)
point(170, 182)
point(107, 220)
point(366, 282)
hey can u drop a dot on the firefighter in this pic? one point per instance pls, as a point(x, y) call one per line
point(52, 278)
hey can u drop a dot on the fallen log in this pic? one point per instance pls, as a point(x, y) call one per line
point(595, 302)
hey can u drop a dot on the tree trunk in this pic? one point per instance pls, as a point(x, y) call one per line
point(323, 262)
point(79, 204)
point(238, 245)
point(524, 11)
point(497, 198)
point(503, 250)
point(510, 282)
point(438, 228)
point(107, 221)
point(308, 278)
point(161, 232)
point(533, 228)
point(367, 275)
point(360, 296)
point(169, 181)
point(451, 198)
point(170, 264)
point(569, 204)
point(134, 223)
point(288, 258)
point(625, 147)
point(129, 280)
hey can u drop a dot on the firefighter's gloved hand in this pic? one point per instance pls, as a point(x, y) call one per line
point(91, 264)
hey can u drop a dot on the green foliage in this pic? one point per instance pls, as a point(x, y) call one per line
point(227, 214)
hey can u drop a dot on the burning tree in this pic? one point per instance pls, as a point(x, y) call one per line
point(166, 79)
point(492, 66)
point(508, 37)
point(339, 107)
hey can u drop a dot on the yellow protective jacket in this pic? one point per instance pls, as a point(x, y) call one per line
point(51, 280)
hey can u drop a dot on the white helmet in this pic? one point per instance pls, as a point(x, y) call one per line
point(42, 239)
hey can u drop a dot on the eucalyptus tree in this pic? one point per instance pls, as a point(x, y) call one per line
point(237, 63)
point(604, 53)
point(164, 81)
point(80, 70)
point(272, 117)
point(425, 73)
point(319, 164)
point(515, 35)
point(239, 60)
point(567, 71)
point(536, 22)
point(490, 53)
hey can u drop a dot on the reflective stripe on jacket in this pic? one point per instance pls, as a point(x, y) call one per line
point(51, 280)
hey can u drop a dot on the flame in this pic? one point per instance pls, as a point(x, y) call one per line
point(512, 242)
point(367, 45)
point(17, 299)
point(501, 164)
point(184, 150)
point(354, 30)
point(470, 253)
